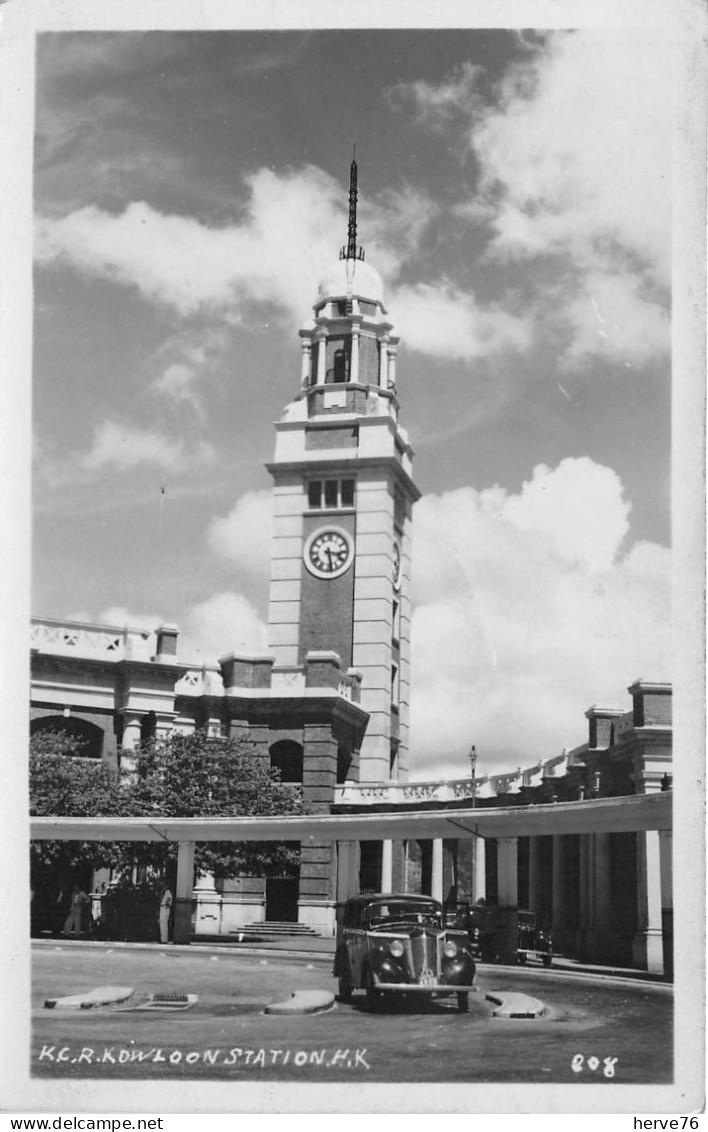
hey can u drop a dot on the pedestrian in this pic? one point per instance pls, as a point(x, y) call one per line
point(165, 910)
point(79, 900)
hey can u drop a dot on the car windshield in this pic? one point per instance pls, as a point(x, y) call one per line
point(405, 912)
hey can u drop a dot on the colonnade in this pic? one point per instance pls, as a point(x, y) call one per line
point(387, 359)
point(577, 888)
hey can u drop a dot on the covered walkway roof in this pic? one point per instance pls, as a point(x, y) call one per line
point(632, 814)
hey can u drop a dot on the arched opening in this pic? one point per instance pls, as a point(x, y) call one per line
point(148, 727)
point(286, 756)
point(340, 366)
point(88, 735)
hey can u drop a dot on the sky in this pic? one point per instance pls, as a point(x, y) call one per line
point(191, 188)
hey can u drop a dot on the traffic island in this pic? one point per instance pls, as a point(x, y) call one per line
point(303, 1002)
point(88, 1000)
point(514, 1004)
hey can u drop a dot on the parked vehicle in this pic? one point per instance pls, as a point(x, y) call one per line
point(481, 921)
point(389, 945)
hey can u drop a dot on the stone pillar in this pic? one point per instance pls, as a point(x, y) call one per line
point(305, 369)
point(130, 740)
point(535, 879)
point(321, 358)
point(599, 940)
point(647, 946)
point(316, 900)
point(585, 895)
point(436, 878)
point(391, 379)
point(208, 915)
point(667, 899)
point(387, 866)
point(383, 361)
point(354, 360)
point(559, 906)
point(347, 870)
point(185, 889)
point(479, 890)
point(508, 897)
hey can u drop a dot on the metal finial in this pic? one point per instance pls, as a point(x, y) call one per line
point(351, 251)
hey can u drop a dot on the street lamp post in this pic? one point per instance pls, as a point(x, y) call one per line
point(473, 773)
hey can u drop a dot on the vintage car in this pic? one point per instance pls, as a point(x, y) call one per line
point(481, 923)
point(390, 945)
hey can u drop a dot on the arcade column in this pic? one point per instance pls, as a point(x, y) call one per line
point(507, 897)
point(182, 929)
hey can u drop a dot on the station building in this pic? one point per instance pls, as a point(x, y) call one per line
point(329, 703)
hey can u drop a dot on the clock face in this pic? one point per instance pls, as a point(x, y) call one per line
point(396, 566)
point(328, 553)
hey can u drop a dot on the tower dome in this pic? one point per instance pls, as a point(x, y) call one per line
point(354, 277)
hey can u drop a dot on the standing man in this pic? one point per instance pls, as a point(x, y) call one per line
point(79, 900)
point(165, 910)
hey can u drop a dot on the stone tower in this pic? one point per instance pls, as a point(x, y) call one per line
point(343, 496)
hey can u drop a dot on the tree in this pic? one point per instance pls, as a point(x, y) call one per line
point(197, 776)
point(62, 783)
point(175, 776)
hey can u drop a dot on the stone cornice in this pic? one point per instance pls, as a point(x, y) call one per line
point(340, 463)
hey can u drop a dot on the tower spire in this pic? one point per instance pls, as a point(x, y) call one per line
point(350, 250)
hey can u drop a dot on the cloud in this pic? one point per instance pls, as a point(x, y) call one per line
point(613, 315)
point(437, 104)
point(225, 622)
point(185, 361)
point(243, 537)
point(273, 256)
point(574, 157)
point(442, 321)
point(527, 611)
point(123, 447)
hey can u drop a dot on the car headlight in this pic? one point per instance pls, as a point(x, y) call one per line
point(396, 949)
point(449, 949)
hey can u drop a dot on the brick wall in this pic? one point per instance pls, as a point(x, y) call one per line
point(326, 604)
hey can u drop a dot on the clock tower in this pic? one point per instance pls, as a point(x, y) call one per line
point(343, 495)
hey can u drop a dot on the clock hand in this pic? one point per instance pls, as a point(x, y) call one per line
point(329, 555)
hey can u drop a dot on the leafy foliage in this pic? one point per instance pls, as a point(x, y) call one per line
point(195, 776)
point(176, 776)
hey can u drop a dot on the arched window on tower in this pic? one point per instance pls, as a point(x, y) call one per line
point(286, 756)
point(340, 366)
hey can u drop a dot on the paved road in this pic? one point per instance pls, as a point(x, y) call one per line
point(227, 1036)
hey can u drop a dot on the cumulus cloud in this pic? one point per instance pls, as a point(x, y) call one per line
point(445, 322)
point(527, 611)
point(574, 159)
point(225, 622)
point(123, 447)
point(243, 537)
point(275, 255)
point(576, 155)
